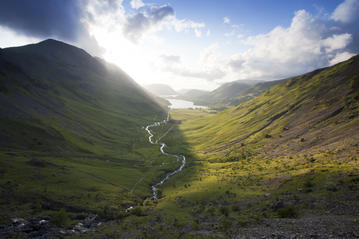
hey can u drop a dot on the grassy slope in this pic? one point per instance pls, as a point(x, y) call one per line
point(295, 145)
point(71, 133)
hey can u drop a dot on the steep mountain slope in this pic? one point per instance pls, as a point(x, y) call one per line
point(160, 89)
point(308, 106)
point(229, 94)
point(71, 132)
point(291, 152)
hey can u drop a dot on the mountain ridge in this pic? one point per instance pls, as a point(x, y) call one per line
point(71, 125)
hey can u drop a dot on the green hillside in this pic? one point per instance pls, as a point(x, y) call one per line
point(307, 106)
point(72, 134)
point(291, 152)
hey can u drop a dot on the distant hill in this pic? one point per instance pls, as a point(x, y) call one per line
point(228, 94)
point(192, 94)
point(160, 89)
point(71, 132)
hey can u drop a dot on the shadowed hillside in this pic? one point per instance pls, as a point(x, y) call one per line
point(71, 134)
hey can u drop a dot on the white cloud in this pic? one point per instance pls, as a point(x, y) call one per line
point(170, 59)
point(197, 32)
point(336, 42)
point(184, 24)
point(137, 4)
point(339, 57)
point(207, 69)
point(347, 11)
point(226, 20)
point(305, 45)
point(230, 34)
point(10, 38)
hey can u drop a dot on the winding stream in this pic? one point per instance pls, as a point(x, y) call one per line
point(162, 147)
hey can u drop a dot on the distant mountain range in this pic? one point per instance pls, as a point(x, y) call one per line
point(228, 94)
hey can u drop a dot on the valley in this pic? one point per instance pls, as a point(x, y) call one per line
point(278, 176)
point(84, 156)
point(179, 119)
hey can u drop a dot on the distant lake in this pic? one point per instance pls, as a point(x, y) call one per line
point(184, 104)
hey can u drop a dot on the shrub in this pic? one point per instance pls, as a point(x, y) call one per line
point(225, 225)
point(235, 208)
point(60, 218)
point(138, 211)
point(287, 212)
point(242, 222)
point(332, 187)
point(308, 186)
point(224, 210)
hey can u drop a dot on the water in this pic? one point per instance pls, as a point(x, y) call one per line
point(184, 104)
point(162, 146)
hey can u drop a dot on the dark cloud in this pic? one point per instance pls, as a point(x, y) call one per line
point(157, 14)
point(42, 18)
point(139, 23)
point(136, 25)
point(60, 19)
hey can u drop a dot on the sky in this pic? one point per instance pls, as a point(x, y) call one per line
point(193, 44)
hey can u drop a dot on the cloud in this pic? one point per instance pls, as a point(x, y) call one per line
point(208, 69)
point(336, 42)
point(226, 20)
point(49, 19)
point(185, 24)
point(139, 23)
point(346, 19)
point(339, 57)
point(136, 4)
point(42, 18)
point(154, 19)
point(197, 32)
point(346, 12)
point(171, 59)
point(307, 44)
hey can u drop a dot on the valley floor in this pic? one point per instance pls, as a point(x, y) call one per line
point(239, 193)
point(243, 193)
